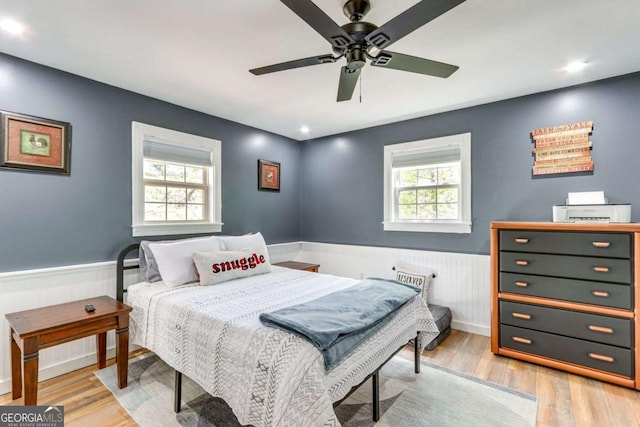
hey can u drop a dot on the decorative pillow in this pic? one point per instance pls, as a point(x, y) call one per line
point(217, 267)
point(415, 275)
point(147, 262)
point(233, 243)
point(174, 259)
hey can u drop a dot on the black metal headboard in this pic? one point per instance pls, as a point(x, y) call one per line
point(121, 268)
point(120, 290)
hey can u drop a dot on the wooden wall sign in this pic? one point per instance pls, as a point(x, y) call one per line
point(562, 149)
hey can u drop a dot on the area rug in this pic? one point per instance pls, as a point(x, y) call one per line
point(436, 397)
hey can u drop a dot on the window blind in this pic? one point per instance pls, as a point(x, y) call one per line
point(153, 149)
point(425, 158)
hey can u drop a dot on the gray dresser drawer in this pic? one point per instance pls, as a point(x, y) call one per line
point(615, 245)
point(592, 327)
point(594, 355)
point(582, 291)
point(575, 267)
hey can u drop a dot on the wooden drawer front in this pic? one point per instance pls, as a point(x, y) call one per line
point(592, 327)
point(586, 353)
point(66, 333)
point(587, 292)
point(576, 267)
point(615, 245)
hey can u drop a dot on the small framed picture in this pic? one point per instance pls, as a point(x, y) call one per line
point(268, 175)
point(34, 144)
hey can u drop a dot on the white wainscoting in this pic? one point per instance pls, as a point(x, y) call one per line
point(24, 290)
point(462, 281)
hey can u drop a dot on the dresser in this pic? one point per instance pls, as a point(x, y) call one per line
point(563, 296)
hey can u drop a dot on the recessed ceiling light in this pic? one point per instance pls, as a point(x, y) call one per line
point(574, 67)
point(12, 27)
point(304, 129)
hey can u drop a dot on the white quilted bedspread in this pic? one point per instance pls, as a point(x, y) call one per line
point(267, 376)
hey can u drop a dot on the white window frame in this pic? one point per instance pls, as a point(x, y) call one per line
point(461, 225)
point(142, 131)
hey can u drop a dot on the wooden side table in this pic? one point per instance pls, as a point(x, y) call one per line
point(299, 265)
point(32, 330)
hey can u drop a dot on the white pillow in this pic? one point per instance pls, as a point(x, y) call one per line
point(217, 267)
point(233, 243)
point(415, 275)
point(174, 259)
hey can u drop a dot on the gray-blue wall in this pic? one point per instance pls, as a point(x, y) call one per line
point(342, 183)
point(331, 187)
point(51, 220)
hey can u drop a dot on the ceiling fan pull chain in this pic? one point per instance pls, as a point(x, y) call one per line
point(360, 88)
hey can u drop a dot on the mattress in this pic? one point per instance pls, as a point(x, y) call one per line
point(269, 377)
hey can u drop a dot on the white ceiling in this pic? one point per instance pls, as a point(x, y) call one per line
point(197, 53)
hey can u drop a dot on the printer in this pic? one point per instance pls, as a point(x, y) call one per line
point(592, 213)
point(591, 206)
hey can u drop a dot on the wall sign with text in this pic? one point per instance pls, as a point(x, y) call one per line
point(562, 149)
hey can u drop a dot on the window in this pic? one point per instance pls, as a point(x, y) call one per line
point(176, 182)
point(428, 185)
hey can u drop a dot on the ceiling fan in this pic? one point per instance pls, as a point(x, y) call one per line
point(359, 40)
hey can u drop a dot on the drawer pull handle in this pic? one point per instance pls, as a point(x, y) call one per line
point(523, 262)
point(601, 244)
point(521, 315)
point(603, 294)
point(602, 329)
point(601, 357)
point(521, 240)
point(522, 284)
point(601, 269)
point(521, 340)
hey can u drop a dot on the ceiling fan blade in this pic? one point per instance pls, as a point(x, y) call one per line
point(304, 62)
point(413, 64)
point(410, 20)
point(319, 21)
point(348, 80)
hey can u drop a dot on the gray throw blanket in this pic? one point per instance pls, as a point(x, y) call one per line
point(337, 322)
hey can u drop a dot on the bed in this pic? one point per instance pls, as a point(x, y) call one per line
point(269, 377)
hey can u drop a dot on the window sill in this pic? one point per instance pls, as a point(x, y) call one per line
point(449, 227)
point(141, 230)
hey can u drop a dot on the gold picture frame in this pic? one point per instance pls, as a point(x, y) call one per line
point(34, 143)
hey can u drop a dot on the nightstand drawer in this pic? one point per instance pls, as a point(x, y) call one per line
point(593, 327)
point(615, 245)
point(575, 267)
point(594, 355)
point(582, 291)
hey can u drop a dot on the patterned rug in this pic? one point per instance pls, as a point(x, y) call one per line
point(435, 397)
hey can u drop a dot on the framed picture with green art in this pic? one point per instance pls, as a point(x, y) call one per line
point(34, 144)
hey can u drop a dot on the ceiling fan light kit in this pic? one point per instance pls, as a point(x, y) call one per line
point(358, 41)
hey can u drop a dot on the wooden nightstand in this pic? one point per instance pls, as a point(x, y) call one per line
point(299, 265)
point(32, 330)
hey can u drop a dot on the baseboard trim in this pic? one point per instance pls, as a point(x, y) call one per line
point(471, 328)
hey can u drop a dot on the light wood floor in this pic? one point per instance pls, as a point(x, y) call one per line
point(563, 399)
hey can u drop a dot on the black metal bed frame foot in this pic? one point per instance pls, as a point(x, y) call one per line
point(416, 354)
point(177, 392)
point(375, 381)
